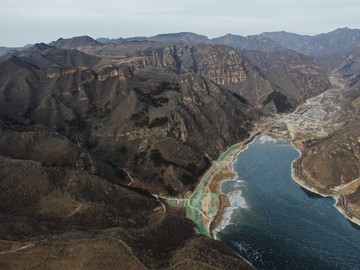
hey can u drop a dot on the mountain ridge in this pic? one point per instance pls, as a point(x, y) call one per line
point(266, 41)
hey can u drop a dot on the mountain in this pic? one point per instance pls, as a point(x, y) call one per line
point(339, 41)
point(235, 73)
point(342, 40)
point(296, 76)
point(75, 42)
point(182, 37)
point(5, 50)
point(51, 57)
point(109, 40)
point(329, 49)
point(286, 40)
point(255, 42)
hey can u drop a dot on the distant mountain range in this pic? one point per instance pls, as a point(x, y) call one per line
point(341, 40)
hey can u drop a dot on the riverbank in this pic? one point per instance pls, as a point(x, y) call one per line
point(340, 199)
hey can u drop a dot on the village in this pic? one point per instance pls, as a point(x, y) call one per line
point(314, 118)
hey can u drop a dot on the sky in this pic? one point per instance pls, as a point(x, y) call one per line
point(31, 21)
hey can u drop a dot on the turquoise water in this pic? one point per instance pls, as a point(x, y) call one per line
point(276, 224)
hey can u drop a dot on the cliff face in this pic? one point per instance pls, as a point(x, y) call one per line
point(221, 64)
point(252, 76)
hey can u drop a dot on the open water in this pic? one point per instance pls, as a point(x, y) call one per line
point(276, 224)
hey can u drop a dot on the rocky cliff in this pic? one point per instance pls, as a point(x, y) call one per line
point(253, 76)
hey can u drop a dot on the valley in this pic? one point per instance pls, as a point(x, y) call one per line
point(125, 143)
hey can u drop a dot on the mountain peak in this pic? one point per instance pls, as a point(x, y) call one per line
point(75, 42)
point(187, 37)
point(42, 46)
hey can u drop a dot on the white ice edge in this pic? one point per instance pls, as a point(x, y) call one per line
point(235, 198)
point(266, 138)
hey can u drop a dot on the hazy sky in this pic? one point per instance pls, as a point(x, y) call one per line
point(31, 21)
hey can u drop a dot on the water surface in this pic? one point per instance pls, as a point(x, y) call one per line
point(276, 224)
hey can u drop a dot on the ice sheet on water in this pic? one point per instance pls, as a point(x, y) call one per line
point(236, 201)
point(226, 220)
point(265, 138)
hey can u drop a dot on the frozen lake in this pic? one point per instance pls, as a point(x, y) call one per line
point(276, 224)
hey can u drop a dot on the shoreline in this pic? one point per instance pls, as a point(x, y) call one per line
point(340, 199)
point(231, 176)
